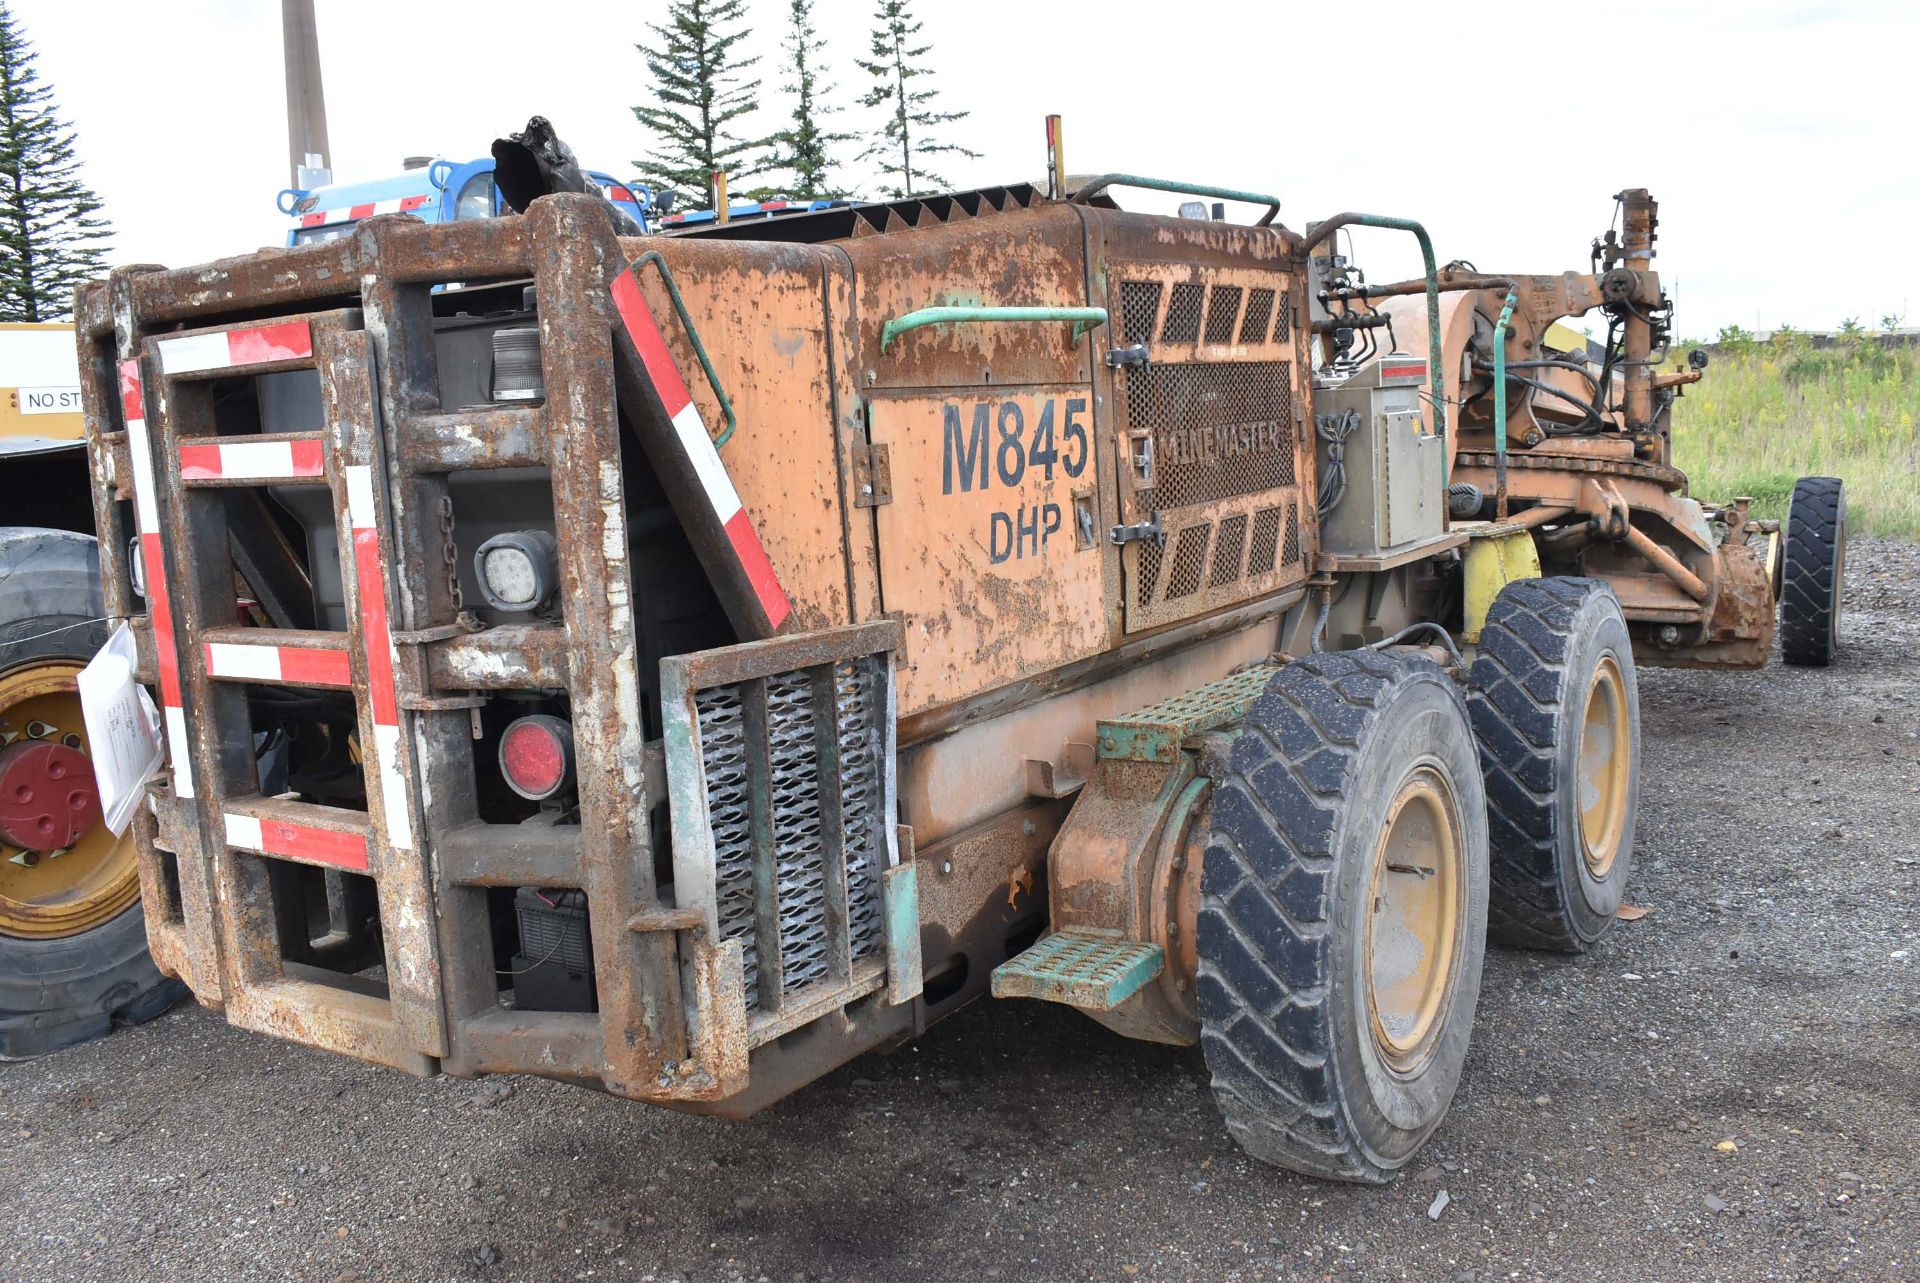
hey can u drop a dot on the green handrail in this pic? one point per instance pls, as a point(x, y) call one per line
point(1093, 187)
point(1435, 376)
point(699, 349)
point(1500, 407)
point(1083, 318)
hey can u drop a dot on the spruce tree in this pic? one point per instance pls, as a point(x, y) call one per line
point(905, 141)
point(701, 87)
point(51, 235)
point(806, 146)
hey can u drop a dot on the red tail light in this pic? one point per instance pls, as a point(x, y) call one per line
point(536, 756)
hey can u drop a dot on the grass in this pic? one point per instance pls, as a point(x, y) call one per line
point(1769, 412)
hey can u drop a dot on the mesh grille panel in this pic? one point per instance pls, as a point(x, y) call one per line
point(1219, 429)
point(1266, 534)
point(1223, 309)
point(1183, 314)
point(1291, 553)
point(795, 819)
point(1139, 307)
point(1189, 557)
point(1253, 329)
point(1228, 547)
point(1283, 325)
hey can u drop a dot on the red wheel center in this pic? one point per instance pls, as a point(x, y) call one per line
point(47, 795)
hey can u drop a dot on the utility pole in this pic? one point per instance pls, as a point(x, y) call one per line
point(307, 148)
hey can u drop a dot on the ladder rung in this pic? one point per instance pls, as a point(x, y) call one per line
point(300, 831)
point(216, 353)
point(279, 656)
point(474, 438)
point(278, 459)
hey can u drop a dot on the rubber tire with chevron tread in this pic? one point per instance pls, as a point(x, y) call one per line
point(1813, 562)
point(57, 992)
point(1543, 643)
point(1284, 940)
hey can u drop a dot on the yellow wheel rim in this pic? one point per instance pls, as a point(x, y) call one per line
point(45, 895)
point(1604, 768)
point(1414, 919)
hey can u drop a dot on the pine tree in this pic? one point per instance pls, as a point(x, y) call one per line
point(903, 144)
point(806, 147)
point(701, 88)
point(51, 235)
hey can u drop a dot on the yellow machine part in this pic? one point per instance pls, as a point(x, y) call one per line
point(1494, 560)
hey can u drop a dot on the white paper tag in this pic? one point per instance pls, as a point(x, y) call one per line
point(123, 728)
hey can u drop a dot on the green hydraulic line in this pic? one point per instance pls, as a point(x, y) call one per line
point(1082, 318)
point(1435, 378)
point(1500, 408)
point(652, 256)
point(1093, 187)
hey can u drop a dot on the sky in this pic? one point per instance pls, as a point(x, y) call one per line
point(1776, 134)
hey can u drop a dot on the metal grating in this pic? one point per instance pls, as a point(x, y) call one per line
point(1229, 546)
point(1219, 428)
point(1223, 309)
point(1253, 328)
point(794, 819)
point(723, 758)
point(799, 858)
point(1150, 554)
point(1291, 552)
point(857, 718)
point(1189, 559)
point(1283, 324)
point(1183, 314)
point(1266, 535)
point(1139, 308)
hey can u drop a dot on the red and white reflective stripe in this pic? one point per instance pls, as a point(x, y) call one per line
point(354, 213)
point(381, 656)
point(146, 510)
point(695, 440)
point(230, 349)
point(1414, 370)
point(252, 460)
point(306, 842)
point(292, 665)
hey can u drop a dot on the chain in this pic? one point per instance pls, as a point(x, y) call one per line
point(449, 552)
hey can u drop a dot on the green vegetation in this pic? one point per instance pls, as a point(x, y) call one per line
point(1770, 411)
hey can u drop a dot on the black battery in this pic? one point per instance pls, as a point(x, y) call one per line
point(554, 969)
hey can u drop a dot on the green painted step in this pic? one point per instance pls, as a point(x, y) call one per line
point(1095, 971)
point(1156, 732)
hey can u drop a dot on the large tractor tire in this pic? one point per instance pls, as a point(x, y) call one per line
point(73, 943)
point(1556, 711)
point(1343, 915)
point(1814, 562)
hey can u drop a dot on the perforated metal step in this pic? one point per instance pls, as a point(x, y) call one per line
point(1095, 972)
point(1155, 733)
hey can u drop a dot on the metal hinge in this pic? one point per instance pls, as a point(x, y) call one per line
point(1148, 529)
point(1122, 357)
point(872, 476)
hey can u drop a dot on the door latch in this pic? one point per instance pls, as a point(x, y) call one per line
point(1134, 354)
point(1150, 529)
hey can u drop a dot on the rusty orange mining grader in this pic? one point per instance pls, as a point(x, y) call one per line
point(678, 665)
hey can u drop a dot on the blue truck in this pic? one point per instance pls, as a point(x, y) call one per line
point(436, 190)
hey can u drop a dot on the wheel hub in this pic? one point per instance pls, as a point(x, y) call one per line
point(1605, 765)
point(62, 870)
point(47, 795)
point(1416, 906)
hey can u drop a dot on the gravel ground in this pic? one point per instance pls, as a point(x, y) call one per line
point(1724, 1089)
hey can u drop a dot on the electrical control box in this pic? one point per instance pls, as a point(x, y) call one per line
point(1373, 433)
